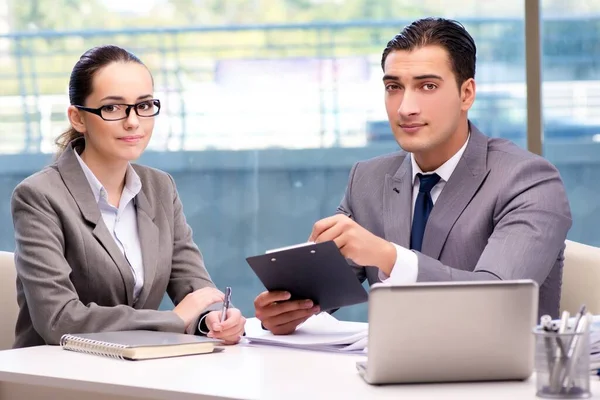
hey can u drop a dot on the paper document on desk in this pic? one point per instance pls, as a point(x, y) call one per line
point(321, 332)
point(595, 345)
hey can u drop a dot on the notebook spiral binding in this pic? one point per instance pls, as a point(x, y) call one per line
point(88, 346)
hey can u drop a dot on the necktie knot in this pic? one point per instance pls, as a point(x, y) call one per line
point(427, 182)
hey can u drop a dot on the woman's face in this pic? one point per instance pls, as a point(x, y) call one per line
point(113, 85)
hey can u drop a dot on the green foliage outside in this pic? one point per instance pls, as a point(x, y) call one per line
point(40, 64)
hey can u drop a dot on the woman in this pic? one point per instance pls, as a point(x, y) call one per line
point(99, 240)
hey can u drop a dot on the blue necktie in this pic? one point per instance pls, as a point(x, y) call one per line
point(423, 207)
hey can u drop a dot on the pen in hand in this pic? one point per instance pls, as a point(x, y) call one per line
point(226, 303)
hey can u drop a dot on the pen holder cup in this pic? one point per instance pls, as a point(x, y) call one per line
point(562, 364)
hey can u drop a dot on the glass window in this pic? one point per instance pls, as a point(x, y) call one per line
point(260, 124)
point(571, 107)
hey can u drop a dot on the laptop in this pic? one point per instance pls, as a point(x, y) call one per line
point(451, 332)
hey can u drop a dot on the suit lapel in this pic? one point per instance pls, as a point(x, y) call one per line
point(458, 192)
point(79, 187)
point(149, 242)
point(397, 204)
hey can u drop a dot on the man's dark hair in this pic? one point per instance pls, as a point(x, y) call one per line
point(449, 34)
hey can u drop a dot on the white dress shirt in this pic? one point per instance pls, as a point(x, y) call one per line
point(122, 221)
point(406, 267)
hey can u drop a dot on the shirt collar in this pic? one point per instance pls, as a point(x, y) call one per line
point(446, 169)
point(133, 184)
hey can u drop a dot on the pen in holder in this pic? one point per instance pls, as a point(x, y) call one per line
point(562, 361)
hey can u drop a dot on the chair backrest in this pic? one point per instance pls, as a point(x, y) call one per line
point(581, 278)
point(8, 300)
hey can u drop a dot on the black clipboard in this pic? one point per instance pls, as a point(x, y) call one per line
point(318, 272)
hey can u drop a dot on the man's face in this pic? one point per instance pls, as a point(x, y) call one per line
point(424, 105)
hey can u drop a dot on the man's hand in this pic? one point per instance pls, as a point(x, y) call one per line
point(279, 314)
point(230, 330)
point(355, 242)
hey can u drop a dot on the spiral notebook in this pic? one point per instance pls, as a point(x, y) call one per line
point(138, 345)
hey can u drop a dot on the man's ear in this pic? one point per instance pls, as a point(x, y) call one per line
point(76, 119)
point(467, 94)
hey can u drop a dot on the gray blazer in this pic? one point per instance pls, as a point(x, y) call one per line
point(72, 277)
point(503, 214)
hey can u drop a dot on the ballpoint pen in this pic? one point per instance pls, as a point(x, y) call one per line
point(546, 324)
point(578, 316)
point(226, 303)
point(563, 328)
point(575, 349)
point(559, 355)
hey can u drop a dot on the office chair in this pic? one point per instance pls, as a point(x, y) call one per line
point(581, 278)
point(8, 300)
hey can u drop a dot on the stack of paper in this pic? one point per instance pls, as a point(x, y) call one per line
point(321, 332)
point(595, 345)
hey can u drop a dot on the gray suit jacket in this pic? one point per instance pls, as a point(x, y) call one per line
point(503, 214)
point(71, 275)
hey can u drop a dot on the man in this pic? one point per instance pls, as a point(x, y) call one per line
point(500, 212)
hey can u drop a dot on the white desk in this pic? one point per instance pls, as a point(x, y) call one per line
point(239, 372)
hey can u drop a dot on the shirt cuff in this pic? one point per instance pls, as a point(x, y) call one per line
point(202, 327)
point(406, 268)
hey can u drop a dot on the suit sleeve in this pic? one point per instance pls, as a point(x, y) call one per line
point(531, 222)
point(44, 272)
point(345, 208)
point(188, 272)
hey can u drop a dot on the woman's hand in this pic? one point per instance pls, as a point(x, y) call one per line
point(196, 302)
point(230, 330)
